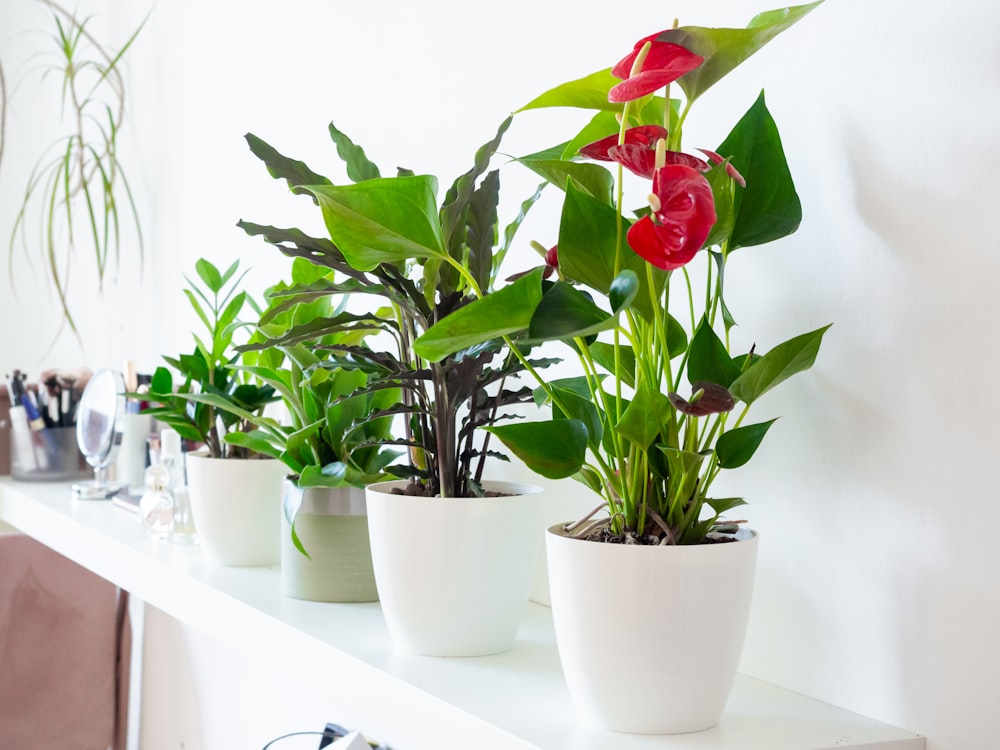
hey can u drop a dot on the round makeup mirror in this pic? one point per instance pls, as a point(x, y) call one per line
point(99, 420)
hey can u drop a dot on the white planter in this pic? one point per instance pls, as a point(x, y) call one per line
point(454, 574)
point(650, 638)
point(236, 506)
point(332, 525)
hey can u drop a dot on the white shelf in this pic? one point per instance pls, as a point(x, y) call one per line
point(516, 700)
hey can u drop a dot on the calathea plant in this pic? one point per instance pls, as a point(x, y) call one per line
point(214, 398)
point(663, 394)
point(391, 243)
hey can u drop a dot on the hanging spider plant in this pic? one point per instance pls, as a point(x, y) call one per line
point(76, 189)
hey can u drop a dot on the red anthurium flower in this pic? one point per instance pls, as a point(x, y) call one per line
point(645, 136)
point(680, 223)
point(730, 169)
point(665, 63)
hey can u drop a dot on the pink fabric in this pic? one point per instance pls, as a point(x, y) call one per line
point(64, 652)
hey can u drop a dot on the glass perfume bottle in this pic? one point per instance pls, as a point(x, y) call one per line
point(156, 506)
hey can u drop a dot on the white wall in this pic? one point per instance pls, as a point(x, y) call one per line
point(877, 588)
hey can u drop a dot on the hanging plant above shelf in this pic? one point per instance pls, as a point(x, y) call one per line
point(77, 195)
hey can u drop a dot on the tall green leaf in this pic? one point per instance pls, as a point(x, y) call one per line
point(359, 166)
point(724, 49)
point(768, 208)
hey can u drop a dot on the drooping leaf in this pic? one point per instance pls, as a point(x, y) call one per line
point(590, 92)
point(572, 405)
point(505, 311)
point(779, 364)
point(554, 449)
point(593, 179)
point(565, 312)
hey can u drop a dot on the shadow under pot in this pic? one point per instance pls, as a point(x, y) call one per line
point(331, 524)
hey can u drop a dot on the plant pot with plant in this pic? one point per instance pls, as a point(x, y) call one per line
point(332, 443)
point(390, 241)
point(665, 388)
point(235, 491)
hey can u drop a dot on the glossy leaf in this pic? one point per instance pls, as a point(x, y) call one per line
point(623, 367)
point(709, 361)
point(505, 311)
point(645, 417)
point(768, 208)
point(735, 447)
point(593, 179)
point(383, 220)
point(588, 237)
point(554, 449)
point(590, 92)
point(564, 312)
point(573, 405)
point(724, 49)
point(786, 359)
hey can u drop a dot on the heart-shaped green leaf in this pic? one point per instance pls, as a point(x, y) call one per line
point(735, 447)
point(554, 449)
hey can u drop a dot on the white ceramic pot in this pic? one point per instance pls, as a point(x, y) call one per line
point(236, 506)
point(454, 574)
point(649, 637)
point(332, 525)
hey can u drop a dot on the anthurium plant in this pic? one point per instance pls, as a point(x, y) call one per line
point(639, 294)
point(418, 262)
point(212, 399)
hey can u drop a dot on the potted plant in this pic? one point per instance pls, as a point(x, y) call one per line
point(391, 242)
point(235, 491)
point(333, 442)
point(78, 195)
point(666, 389)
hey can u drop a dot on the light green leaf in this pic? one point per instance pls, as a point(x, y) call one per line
point(383, 220)
point(554, 449)
point(645, 417)
point(505, 311)
point(590, 92)
point(779, 364)
point(724, 49)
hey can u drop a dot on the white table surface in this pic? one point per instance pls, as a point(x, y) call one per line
point(342, 652)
